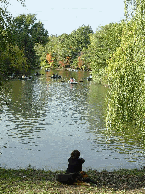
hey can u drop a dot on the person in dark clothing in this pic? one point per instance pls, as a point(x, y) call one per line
point(74, 168)
point(74, 171)
point(75, 163)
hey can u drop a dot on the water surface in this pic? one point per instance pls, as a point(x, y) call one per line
point(43, 120)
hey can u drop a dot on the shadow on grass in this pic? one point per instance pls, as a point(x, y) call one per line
point(116, 180)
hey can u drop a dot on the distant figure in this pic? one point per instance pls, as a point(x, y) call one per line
point(37, 74)
point(90, 77)
point(23, 76)
point(75, 163)
point(72, 79)
point(53, 76)
point(56, 76)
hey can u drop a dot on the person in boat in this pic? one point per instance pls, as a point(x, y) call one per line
point(36, 74)
point(53, 76)
point(23, 77)
point(90, 77)
point(56, 76)
point(72, 80)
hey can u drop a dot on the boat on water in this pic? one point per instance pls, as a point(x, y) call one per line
point(90, 78)
point(47, 70)
point(24, 77)
point(72, 81)
point(37, 74)
point(56, 76)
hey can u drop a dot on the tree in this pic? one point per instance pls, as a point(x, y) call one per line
point(8, 49)
point(7, 2)
point(39, 34)
point(126, 107)
point(12, 60)
point(80, 39)
point(51, 49)
point(26, 33)
point(103, 44)
point(66, 48)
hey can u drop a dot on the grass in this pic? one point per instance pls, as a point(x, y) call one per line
point(33, 181)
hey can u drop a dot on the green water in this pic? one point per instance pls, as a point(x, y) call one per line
point(42, 120)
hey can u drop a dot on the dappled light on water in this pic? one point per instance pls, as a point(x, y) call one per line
point(43, 120)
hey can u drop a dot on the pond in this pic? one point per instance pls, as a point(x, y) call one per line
point(42, 120)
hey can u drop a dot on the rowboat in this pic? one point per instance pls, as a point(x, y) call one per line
point(72, 82)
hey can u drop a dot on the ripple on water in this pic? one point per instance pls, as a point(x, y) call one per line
point(48, 119)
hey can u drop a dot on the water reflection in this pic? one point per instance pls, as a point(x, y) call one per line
point(43, 120)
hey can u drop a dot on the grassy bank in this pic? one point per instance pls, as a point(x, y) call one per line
point(39, 181)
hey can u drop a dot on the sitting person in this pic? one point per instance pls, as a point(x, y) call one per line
point(75, 163)
point(74, 168)
point(74, 171)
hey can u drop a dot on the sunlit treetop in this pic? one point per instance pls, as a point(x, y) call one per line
point(7, 2)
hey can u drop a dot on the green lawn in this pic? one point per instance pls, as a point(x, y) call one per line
point(39, 181)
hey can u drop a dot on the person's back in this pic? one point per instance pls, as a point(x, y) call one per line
point(74, 171)
point(75, 163)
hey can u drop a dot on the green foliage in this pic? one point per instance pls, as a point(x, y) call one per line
point(39, 34)
point(7, 2)
point(40, 52)
point(103, 44)
point(67, 47)
point(80, 39)
point(26, 32)
point(18, 37)
point(5, 37)
point(63, 47)
point(126, 106)
point(12, 60)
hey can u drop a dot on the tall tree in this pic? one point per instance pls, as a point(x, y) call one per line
point(8, 49)
point(27, 33)
point(103, 44)
point(66, 48)
point(126, 106)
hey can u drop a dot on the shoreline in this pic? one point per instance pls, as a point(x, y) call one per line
point(32, 180)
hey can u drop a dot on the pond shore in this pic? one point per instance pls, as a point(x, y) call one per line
point(31, 180)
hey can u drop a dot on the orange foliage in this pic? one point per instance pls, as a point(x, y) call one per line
point(68, 60)
point(49, 58)
point(61, 63)
point(80, 62)
point(65, 64)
